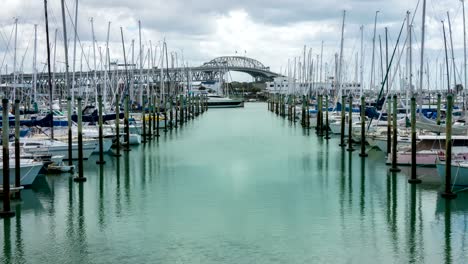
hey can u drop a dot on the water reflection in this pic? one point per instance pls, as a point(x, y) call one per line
point(7, 239)
point(448, 232)
point(101, 211)
point(362, 200)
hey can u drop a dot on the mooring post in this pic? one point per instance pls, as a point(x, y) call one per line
point(394, 151)
point(350, 124)
point(320, 116)
point(448, 194)
point(178, 108)
point(343, 121)
point(150, 107)
point(70, 134)
point(165, 113)
point(80, 177)
point(389, 124)
point(439, 97)
point(117, 125)
point(17, 149)
point(303, 114)
point(171, 114)
point(414, 178)
point(157, 117)
point(127, 123)
point(327, 125)
point(182, 105)
point(363, 127)
point(143, 117)
point(307, 113)
point(101, 140)
point(7, 212)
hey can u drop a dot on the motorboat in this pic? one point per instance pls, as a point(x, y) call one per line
point(217, 101)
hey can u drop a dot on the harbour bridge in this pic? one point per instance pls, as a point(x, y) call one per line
point(213, 70)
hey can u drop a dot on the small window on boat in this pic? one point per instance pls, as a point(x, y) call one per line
point(33, 144)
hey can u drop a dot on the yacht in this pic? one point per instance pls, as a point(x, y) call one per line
point(217, 101)
point(29, 169)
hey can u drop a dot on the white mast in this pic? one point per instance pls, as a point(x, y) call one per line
point(141, 64)
point(453, 56)
point(34, 83)
point(373, 52)
point(14, 59)
point(340, 69)
point(107, 64)
point(94, 62)
point(361, 66)
point(74, 53)
point(421, 72)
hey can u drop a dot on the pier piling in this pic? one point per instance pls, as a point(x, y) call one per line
point(394, 167)
point(389, 124)
point(343, 121)
point(7, 212)
point(350, 124)
point(80, 177)
point(127, 123)
point(448, 194)
point(363, 127)
point(117, 125)
point(17, 149)
point(327, 128)
point(414, 179)
point(101, 141)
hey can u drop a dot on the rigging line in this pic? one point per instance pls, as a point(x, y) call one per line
point(7, 50)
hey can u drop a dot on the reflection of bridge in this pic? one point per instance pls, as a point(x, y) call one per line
point(209, 71)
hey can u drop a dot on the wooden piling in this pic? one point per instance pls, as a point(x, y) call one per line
point(389, 124)
point(7, 212)
point(350, 124)
point(70, 134)
point(448, 194)
point(101, 140)
point(17, 149)
point(394, 167)
point(127, 123)
point(80, 177)
point(327, 125)
point(414, 178)
point(343, 120)
point(117, 125)
point(363, 127)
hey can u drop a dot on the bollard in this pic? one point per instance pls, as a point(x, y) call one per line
point(363, 127)
point(70, 133)
point(80, 177)
point(17, 149)
point(126, 124)
point(394, 167)
point(327, 128)
point(101, 142)
point(117, 125)
point(7, 212)
point(350, 124)
point(343, 121)
point(414, 179)
point(448, 194)
point(389, 124)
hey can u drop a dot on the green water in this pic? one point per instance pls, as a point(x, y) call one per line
point(236, 186)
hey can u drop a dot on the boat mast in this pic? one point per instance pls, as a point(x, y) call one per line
point(34, 83)
point(421, 66)
point(372, 84)
point(446, 59)
point(48, 70)
point(451, 48)
point(141, 64)
point(107, 64)
point(361, 66)
point(14, 59)
point(74, 53)
point(341, 50)
point(94, 62)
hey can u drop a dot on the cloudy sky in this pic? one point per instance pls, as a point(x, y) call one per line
point(271, 31)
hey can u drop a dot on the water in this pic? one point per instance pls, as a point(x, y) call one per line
point(236, 186)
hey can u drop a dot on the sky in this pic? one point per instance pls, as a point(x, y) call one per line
point(197, 31)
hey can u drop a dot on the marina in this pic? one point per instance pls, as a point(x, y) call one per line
point(247, 198)
point(130, 137)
